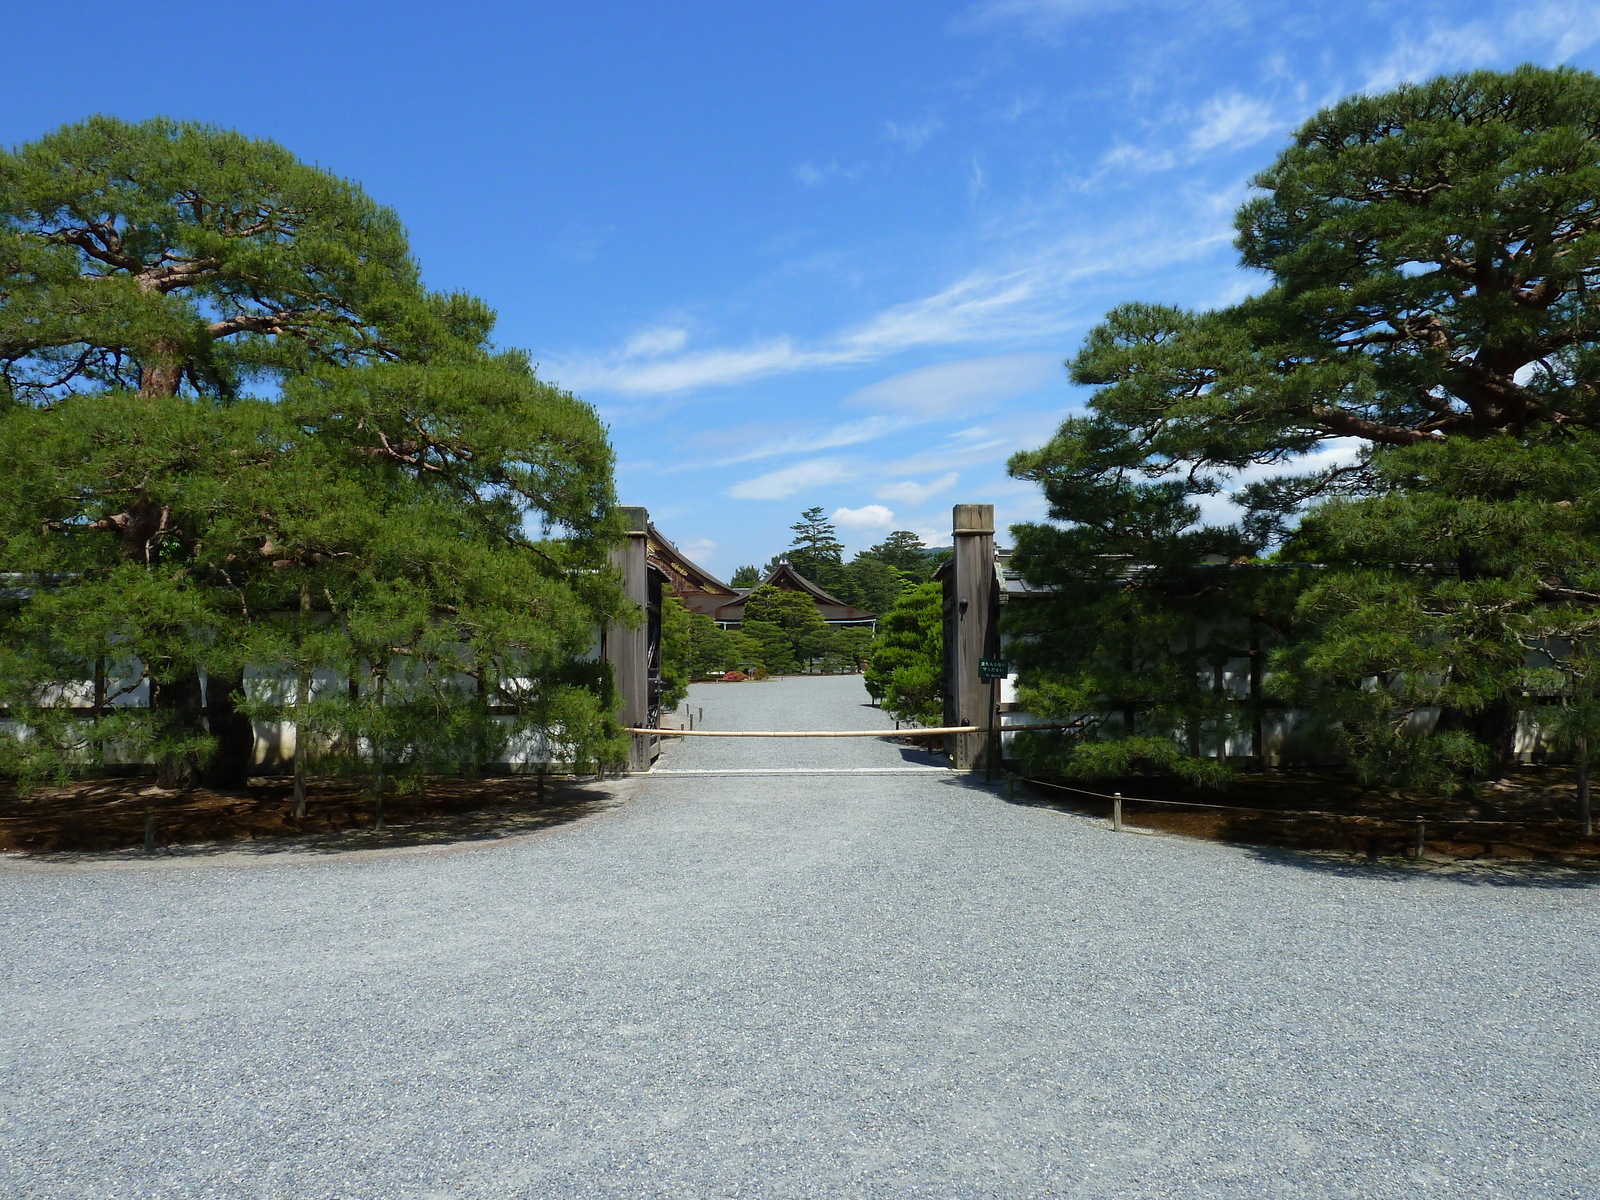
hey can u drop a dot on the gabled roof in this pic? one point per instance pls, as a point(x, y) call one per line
point(784, 573)
point(681, 569)
point(785, 577)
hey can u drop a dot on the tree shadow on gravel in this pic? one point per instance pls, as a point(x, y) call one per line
point(918, 756)
point(493, 821)
point(973, 781)
point(1497, 873)
point(1382, 856)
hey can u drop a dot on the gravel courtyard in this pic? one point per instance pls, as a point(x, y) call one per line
point(876, 981)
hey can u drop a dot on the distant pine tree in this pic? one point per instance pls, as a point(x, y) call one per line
point(905, 671)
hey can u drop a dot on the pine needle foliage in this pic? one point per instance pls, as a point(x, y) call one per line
point(403, 527)
point(905, 671)
point(677, 651)
point(1431, 256)
point(787, 627)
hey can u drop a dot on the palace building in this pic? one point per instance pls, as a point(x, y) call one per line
point(702, 592)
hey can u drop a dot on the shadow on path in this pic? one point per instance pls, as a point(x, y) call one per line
point(1499, 873)
point(1473, 872)
point(491, 822)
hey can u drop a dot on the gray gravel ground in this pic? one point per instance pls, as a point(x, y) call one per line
point(882, 984)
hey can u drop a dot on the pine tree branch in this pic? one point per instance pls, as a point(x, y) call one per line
point(1346, 424)
point(270, 322)
point(96, 249)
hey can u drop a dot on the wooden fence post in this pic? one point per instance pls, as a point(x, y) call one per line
point(970, 628)
point(628, 650)
point(1585, 822)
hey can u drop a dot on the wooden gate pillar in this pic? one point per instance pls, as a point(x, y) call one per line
point(971, 632)
point(628, 650)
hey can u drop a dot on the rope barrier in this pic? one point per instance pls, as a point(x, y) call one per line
point(939, 732)
point(1176, 803)
point(808, 733)
point(1292, 812)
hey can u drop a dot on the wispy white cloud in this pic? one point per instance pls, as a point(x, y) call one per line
point(1224, 123)
point(757, 442)
point(906, 401)
point(787, 481)
point(977, 182)
point(701, 549)
point(1124, 157)
point(1049, 21)
point(1231, 121)
point(963, 385)
point(1033, 297)
point(816, 174)
point(1549, 30)
point(1019, 107)
point(973, 447)
point(582, 243)
point(1439, 49)
point(868, 516)
point(913, 135)
point(811, 175)
point(968, 308)
point(705, 368)
point(908, 491)
point(977, 446)
point(949, 457)
point(1041, 18)
point(933, 536)
point(974, 308)
point(653, 343)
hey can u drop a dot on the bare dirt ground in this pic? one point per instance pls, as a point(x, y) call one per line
point(109, 814)
point(1531, 814)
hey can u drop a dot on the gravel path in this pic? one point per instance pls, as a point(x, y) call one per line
point(846, 985)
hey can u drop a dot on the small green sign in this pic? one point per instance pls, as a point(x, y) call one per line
point(993, 668)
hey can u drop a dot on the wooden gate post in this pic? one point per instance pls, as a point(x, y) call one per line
point(628, 650)
point(970, 628)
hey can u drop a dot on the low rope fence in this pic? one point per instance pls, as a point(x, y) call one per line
point(1418, 825)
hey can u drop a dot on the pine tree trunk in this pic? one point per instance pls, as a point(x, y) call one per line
point(178, 702)
point(1257, 741)
point(1585, 822)
point(302, 698)
point(230, 765)
point(380, 756)
point(303, 686)
point(1495, 725)
point(162, 373)
point(299, 780)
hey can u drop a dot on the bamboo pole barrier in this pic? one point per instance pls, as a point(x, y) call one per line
point(889, 733)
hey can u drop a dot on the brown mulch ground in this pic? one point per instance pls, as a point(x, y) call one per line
point(1529, 815)
point(109, 814)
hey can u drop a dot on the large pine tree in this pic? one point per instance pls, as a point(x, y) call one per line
point(239, 430)
point(1432, 256)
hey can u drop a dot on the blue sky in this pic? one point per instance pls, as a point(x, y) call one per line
point(797, 254)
